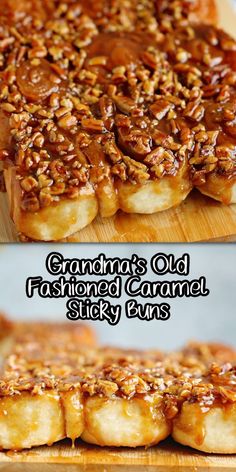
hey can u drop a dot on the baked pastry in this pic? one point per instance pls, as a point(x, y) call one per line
point(105, 114)
point(37, 343)
point(83, 145)
point(168, 382)
point(206, 420)
point(111, 397)
point(206, 402)
point(62, 391)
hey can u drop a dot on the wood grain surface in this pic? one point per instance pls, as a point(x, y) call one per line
point(197, 219)
point(166, 457)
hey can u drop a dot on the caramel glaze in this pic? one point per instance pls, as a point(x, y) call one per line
point(109, 107)
point(193, 425)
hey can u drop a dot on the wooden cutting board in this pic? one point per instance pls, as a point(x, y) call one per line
point(168, 457)
point(197, 219)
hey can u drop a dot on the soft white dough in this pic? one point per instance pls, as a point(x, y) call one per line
point(29, 420)
point(59, 221)
point(153, 196)
point(122, 422)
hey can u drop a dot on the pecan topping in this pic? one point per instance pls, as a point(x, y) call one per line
point(202, 373)
point(135, 79)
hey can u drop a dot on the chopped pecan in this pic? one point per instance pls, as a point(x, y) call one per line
point(124, 104)
point(136, 170)
point(28, 184)
point(160, 108)
point(93, 125)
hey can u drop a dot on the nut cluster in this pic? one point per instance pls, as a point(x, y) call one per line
point(127, 86)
